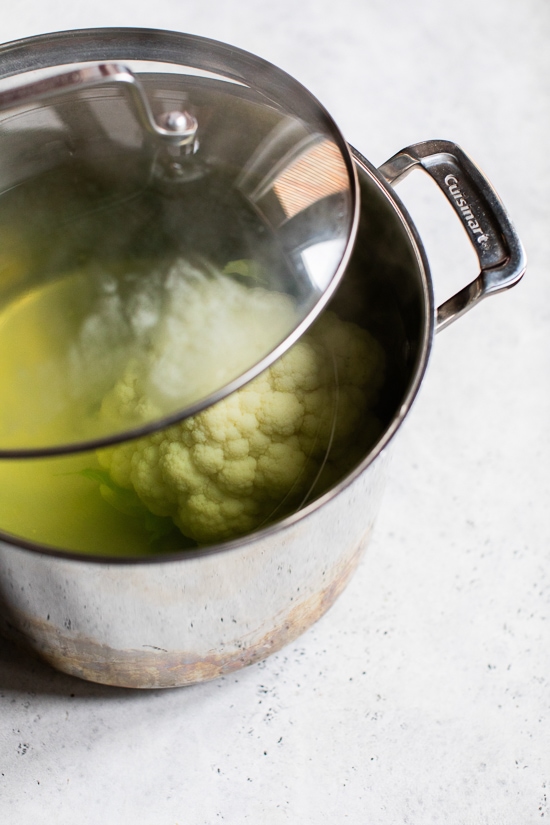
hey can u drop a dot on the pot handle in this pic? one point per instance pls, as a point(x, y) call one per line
point(176, 128)
point(499, 250)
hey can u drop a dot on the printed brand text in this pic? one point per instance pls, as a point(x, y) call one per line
point(463, 205)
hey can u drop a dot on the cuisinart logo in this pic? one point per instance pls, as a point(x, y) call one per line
point(463, 205)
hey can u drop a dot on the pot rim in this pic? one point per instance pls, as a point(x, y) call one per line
point(422, 357)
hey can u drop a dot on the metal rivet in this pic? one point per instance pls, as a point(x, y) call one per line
point(178, 122)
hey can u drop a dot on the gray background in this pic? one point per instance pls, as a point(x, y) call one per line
point(423, 696)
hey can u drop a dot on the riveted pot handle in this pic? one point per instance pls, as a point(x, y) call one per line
point(498, 248)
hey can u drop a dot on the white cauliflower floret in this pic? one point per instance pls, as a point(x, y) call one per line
point(182, 334)
point(257, 454)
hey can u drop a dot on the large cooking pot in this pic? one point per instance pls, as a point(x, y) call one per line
point(190, 616)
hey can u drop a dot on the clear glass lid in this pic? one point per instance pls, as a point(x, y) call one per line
point(174, 213)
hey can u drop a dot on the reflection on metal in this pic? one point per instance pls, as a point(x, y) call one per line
point(290, 171)
point(163, 626)
point(299, 184)
point(176, 128)
point(316, 174)
point(319, 259)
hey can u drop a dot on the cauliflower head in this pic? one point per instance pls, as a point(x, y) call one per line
point(264, 450)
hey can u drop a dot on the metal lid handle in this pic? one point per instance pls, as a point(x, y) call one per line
point(175, 128)
point(498, 248)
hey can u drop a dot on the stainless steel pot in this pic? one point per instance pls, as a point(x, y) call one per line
point(184, 618)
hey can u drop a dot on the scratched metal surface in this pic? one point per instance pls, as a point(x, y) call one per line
point(422, 695)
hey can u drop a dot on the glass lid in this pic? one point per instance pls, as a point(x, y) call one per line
point(174, 213)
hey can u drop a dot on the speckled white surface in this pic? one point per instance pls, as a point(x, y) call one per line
point(423, 696)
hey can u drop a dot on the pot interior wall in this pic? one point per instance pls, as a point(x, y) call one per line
point(386, 290)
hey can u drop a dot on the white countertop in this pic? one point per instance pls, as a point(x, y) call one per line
point(423, 696)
